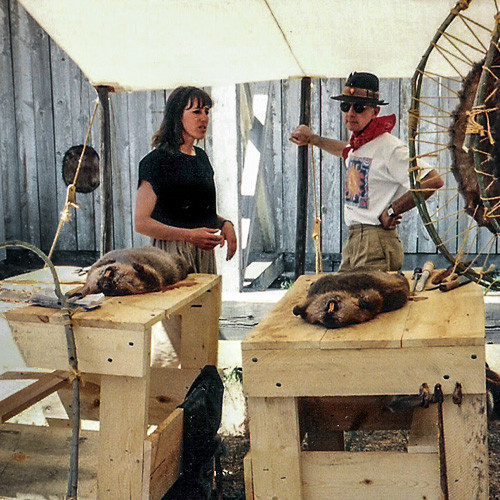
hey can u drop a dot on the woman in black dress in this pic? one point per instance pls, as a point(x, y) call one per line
point(176, 196)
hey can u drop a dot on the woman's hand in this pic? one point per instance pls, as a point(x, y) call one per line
point(228, 233)
point(205, 238)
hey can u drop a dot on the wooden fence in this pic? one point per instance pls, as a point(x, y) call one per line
point(46, 104)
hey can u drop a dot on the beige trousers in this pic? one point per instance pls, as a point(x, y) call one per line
point(371, 247)
point(202, 261)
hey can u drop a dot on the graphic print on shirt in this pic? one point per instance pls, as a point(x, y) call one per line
point(356, 184)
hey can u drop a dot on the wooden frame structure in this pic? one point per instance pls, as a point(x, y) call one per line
point(114, 346)
point(287, 361)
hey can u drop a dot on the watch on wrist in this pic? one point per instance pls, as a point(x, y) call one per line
point(390, 211)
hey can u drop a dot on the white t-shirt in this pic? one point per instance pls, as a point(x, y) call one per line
point(377, 174)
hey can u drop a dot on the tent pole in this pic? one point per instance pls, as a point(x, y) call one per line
point(106, 188)
point(302, 180)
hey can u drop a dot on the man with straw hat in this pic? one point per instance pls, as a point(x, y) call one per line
point(377, 185)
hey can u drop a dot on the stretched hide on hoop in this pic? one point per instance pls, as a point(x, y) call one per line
point(88, 176)
point(463, 166)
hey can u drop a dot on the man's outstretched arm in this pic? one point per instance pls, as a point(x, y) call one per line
point(302, 136)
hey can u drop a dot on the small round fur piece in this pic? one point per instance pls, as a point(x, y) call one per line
point(89, 176)
point(133, 271)
point(342, 299)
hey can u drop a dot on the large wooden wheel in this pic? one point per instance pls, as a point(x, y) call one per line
point(453, 128)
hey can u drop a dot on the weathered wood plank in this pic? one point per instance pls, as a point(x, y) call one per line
point(44, 167)
point(162, 456)
point(428, 152)
point(9, 195)
point(131, 312)
point(465, 435)
point(99, 350)
point(275, 443)
point(453, 327)
point(332, 188)
point(142, 108)
point(248, 476)
point(122, 196)
point(46, 384)
point(369, 475)
point(122, 438)
point(383, 371)
point(408, 231)
point(254, 176)
point(290, 119)
point(63, 137)
point(83, 98)
point(424, 431)
point(24, 34)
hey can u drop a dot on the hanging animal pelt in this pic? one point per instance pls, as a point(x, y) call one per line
point(463, 166)
point(88, 175)
point(132, 271)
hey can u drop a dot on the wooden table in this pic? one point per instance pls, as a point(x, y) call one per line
point(114, 341)
point(437, 340)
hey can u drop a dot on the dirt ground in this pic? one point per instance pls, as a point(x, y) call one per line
point(237, 447)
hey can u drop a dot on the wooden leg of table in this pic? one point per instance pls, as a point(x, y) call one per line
point(123, 426)
point(275, 445)
point(200, 330)
point(466, 446)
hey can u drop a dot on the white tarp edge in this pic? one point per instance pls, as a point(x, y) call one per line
point(157, 44)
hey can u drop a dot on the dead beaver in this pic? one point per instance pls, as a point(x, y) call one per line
point(133, 271)
point(342, 299)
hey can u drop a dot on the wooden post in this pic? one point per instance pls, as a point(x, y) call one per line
point(106, 174)
point(302, 181)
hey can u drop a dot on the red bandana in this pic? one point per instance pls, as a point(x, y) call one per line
point(376, 127)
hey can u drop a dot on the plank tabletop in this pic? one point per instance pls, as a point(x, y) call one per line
point(436, 319)
point(126, 312)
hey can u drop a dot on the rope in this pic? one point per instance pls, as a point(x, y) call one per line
point(71, 190)
point(473, 127)
point(316, 232)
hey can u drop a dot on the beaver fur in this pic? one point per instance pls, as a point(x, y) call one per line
point(463, 167)
point(88, 177)
point(133, 271)
point(337, 300)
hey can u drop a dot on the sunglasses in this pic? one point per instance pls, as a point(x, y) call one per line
point(358, 108)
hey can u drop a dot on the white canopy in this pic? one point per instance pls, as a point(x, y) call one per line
point(159, 44)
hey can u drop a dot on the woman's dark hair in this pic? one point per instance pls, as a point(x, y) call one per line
point(169, 135)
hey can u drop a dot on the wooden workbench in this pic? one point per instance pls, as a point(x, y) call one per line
point(114, 342)
point(437, 340)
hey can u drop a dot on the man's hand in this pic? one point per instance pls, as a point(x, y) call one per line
point(389, 222)
point(302, 136)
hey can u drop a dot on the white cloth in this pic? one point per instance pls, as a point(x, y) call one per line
point(377, 174)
